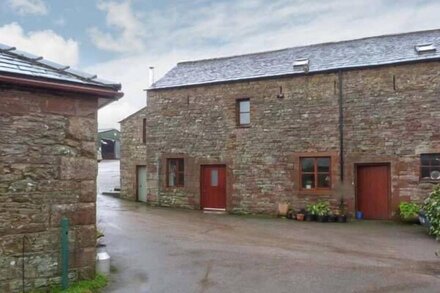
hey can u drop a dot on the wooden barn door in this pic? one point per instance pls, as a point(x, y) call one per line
point(213, 187)
point(372, 191)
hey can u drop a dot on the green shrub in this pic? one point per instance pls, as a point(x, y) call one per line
point(311, 209)
point(431, 207)
point(321, 208)
point(409, 210)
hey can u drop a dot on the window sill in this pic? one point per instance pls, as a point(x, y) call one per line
point(315, 191)
point(433, 181)
point(169, 188)
point(244, 126)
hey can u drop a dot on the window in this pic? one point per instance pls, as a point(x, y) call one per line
point(430, 166)
point(244, 112)
point(214, 177)
point(315, 173)
point(144, 130)
point(175, 172)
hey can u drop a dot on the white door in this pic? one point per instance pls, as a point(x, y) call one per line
point(142, 183)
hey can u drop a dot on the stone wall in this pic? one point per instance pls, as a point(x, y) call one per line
point(133, 152)
point(47, 170)
point(391, 114)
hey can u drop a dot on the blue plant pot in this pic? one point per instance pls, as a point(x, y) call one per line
point(359, 215)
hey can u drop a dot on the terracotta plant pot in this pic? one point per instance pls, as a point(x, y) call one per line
point(300, 217)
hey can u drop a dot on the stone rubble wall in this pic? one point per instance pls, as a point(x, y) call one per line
point(133, 152)
point(391, 114)
point(48, 170)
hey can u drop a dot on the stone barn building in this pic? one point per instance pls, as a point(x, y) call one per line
point(355, 120)
point(48, 168)
point(134, 156)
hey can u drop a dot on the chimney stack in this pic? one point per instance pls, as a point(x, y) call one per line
point(151, 76)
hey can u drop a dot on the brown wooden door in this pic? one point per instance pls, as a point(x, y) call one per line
point(213, 185)
point(373, 185)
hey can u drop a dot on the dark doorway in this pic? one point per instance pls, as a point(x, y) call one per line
point(108, 149)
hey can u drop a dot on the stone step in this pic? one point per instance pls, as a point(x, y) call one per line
point(214, 211)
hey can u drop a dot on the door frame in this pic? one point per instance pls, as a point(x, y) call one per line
point(137, 180)
point(388, 165)
point(201, 183)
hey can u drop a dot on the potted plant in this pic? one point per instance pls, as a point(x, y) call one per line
point(342, 217)
point(409, 212)
point(300, 215)
point(310, 212)
point(322, 209)
point(331, 217)
point(290, 214)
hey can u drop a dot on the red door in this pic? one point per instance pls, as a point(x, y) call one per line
point(213, 185)
point(373, 185)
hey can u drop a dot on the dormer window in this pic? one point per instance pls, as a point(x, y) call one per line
point(425, 48)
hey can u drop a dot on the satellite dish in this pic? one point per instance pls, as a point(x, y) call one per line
point(435, 175)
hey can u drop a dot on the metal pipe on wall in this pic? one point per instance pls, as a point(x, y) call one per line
point(341, 125)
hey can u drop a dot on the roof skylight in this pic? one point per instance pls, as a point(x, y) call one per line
point(425, 48)
point(301, 64)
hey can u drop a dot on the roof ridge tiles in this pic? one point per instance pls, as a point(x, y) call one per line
point(323, 57)
point(305, 46)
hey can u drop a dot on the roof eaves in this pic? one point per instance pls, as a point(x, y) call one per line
point(91, 79)
point(25, 80)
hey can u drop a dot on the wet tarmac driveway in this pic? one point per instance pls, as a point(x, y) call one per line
point(173, 250)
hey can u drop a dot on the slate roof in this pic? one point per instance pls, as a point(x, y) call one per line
point(366, 52)
point(101, 130)
point(13, 61)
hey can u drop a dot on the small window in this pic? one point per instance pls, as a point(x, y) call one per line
point(315, 173)
point(244, 112)
point(430, 167)
point(175, 172)
point(144, 130)
point(214, 177)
